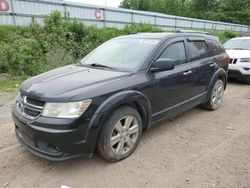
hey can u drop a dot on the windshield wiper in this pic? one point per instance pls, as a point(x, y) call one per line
point(100, 65)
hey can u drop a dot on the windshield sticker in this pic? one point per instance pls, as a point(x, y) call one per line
point(148, 41)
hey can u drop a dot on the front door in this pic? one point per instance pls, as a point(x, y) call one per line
point(171, 90)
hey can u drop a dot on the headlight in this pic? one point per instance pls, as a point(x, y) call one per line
point(245, 60)
point(66, 110)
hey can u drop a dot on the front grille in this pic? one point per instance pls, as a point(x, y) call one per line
point(30, 112)
point(28, 107)
point(233, 61)
point(35, 102)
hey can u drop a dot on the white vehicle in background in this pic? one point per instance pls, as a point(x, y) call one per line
point(238, 49)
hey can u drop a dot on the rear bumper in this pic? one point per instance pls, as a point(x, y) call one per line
point(54, 139)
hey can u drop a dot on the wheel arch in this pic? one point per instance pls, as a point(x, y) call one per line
point(219, 74)
point(140, 109)
point(130, 98)
point(134, 99)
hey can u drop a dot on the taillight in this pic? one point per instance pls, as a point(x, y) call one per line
point(226, 59)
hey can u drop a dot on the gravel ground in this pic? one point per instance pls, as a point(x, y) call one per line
point(198, 148)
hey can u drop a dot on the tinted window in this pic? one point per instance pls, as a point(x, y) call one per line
point(215, 47)
point(198, 50)
point(175, 52)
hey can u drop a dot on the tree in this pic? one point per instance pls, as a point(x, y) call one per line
point(130, 4)
point(199, 8)
point(235, 11)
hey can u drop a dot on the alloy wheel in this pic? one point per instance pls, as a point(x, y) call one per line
point(124, 135)
point(217, 94)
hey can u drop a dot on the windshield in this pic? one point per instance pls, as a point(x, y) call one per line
point(242, 44)
point(121, 54)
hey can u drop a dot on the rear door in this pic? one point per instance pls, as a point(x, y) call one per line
point(203, 65)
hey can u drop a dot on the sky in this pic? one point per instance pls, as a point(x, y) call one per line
point(109, 3)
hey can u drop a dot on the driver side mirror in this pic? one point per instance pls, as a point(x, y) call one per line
point(162, 64)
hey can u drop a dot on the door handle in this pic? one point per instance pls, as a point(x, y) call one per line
point(187, 72)
point(212, 64)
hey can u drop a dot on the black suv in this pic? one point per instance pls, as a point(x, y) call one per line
point(118, 91)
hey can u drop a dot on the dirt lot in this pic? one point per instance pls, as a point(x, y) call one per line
point(196, 149)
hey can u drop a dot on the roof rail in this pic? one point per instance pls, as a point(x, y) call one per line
point(192, 31)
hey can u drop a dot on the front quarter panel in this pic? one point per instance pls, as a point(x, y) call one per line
point(109, 105)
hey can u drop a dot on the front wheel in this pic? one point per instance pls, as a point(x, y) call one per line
point(248, 79)
point(215, 98)
point(120, 134)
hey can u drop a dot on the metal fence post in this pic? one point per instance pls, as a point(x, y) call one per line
point(132, 17)
point(155, 19)
point(104, 17)
point(13, 13)
point(65, 11)
point(175, 23)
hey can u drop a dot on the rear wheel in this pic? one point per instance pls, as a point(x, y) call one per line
point(120, 135)
point(215, 98)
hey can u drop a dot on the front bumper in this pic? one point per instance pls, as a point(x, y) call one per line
point(243, 68)
point(53, 138)
point(236, 74)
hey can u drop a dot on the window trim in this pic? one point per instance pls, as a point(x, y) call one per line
point(209, 41)
point(189, 52)
point(169, 44)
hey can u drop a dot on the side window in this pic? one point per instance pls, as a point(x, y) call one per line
point(198, 50)
point(215, 47)
point(176, 52)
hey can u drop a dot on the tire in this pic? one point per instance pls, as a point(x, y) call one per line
point(215, 97)
point(248, 80)
point(124, 127)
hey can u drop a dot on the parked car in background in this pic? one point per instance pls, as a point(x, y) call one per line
point(118, 91)
point(238, 50)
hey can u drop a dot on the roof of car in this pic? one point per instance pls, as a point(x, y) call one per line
point(236, 38)
point(165, 35)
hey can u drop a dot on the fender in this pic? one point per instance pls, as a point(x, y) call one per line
point(110, 104)
point(220, 73)
point(123, 97)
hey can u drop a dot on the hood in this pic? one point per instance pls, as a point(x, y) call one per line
point(235, 54)
point(63, 84)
